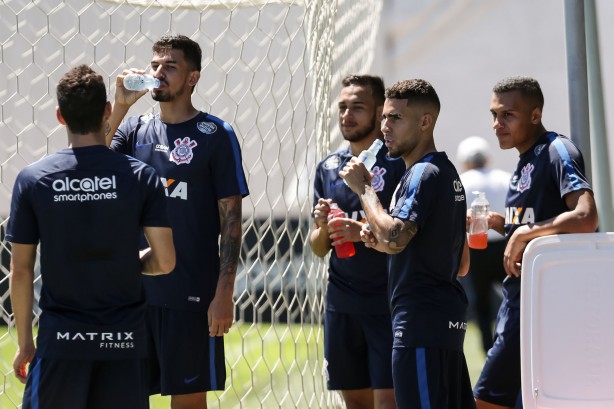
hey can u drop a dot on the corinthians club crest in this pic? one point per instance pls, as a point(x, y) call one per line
point(182, 153)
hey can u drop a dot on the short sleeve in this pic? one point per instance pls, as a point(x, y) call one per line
point(23, 225)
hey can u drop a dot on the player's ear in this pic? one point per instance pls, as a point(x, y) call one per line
point(193, 78)
point(379, 110)
point(107, 111)
point(536, 116)
point(426, 121)
point(59, 116)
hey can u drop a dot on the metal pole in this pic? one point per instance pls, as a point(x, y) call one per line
point(599, 140)
point(577, 79)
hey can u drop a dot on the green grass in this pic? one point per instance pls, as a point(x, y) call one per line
point(268, 366)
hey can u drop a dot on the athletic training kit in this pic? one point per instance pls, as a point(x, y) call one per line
point(547, 172)
point(199, 162)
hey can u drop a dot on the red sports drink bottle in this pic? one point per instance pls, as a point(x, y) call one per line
point(346, 249)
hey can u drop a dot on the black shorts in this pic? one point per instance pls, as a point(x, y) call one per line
point(184, 358)
point(117, 384)
point(358, 351)
point(431, 378)
point(500, 381)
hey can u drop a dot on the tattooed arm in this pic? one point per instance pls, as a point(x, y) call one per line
point(220, 312)
point(389, 235)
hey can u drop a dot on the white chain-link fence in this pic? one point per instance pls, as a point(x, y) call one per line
point(270, 68)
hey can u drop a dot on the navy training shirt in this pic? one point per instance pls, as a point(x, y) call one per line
point(425, 294)
point(547, 172)
point(87, 207)
point(357, 284)
point(199, 162)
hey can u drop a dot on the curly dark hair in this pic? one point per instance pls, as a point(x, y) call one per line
point(529, 88)
point(376, 84)
point(82, 97)
point(191, 50)
point(414, 91)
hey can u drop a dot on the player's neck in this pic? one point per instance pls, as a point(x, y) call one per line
point(419, 152)
point(364, 144)
point(176, 112)
point(81, 141)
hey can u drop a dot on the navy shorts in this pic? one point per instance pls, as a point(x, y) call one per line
point(358, 351)
point(184, 358)
point(117, 384)
point(431, 378)
point(500, 381)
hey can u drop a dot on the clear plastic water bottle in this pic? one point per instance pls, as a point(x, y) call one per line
point(478, 228)
point(369, 156)
point(139, 82)
point(346, 249)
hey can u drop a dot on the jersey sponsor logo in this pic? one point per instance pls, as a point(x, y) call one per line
point(525, 177)
point(182, 153)
point(175, 189)
point(457, 325)
point(519, 215)
point(457, 185)
point(332, 163)
point(398, 334)
point(85, 189)
point(107, 340)
point(206, 127)
point(161, 148)
point(378, 181)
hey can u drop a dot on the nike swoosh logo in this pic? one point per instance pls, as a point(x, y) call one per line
point(190, 380)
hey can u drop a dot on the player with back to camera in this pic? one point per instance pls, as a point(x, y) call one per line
point(424, 235)
point(199, 160)
point(357, 327)
point(548, 194)
point(87, 206)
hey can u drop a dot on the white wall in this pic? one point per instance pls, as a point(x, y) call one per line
point(463, 47)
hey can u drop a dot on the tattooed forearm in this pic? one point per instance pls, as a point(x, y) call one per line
point(230, 237)
point(401, 234)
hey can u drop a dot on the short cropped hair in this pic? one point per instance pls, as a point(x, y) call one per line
point(414, 91)
point(191, 50)
point(376, 84)
point(82, 98)
point(529, 88)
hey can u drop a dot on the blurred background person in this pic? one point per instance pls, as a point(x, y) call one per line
point(483, 285)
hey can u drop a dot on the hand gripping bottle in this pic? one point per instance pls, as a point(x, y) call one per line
point(369, 156)
point(139, 82)
point(478, 228)
point(346, 249)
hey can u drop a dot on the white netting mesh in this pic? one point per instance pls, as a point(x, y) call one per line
point(272, 69)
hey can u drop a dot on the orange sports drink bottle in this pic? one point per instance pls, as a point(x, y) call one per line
point(346, 249)
point(478, 228)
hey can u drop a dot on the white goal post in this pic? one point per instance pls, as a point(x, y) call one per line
point(272, 69)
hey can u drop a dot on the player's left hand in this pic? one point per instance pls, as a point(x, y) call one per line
point(356, 175)
point(220, 315)
point(512, 257)
point(367, 236)
point(23, 357)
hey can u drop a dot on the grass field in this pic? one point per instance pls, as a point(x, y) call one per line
point(268, 366)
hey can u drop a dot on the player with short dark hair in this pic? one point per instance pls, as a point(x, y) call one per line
point(198, 158)
point(424, 235)
point(357, 330)
point(87, 206)
point(548, 194)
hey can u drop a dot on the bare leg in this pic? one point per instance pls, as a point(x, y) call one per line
point(189, 401)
